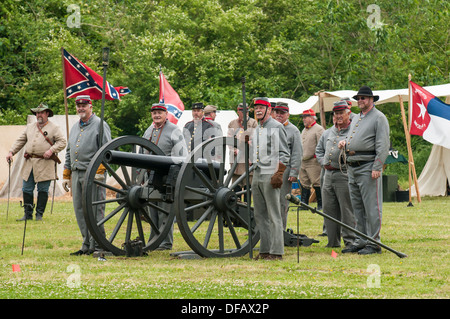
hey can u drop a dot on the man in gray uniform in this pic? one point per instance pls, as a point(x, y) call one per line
point(270, 155)
point(295, 149)
point(168, 137)
point(335, 192)
point(366, 146)
point(199, 129)
point(210, 116)
point(82, 145)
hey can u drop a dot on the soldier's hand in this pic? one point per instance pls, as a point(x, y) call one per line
point(341, 144)
point(9, 157)
point(48, 154)
point(66, 184)
point(376, 174)
point(99, 177)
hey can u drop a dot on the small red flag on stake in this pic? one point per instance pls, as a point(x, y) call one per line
point(333, 254)
point(15, 268)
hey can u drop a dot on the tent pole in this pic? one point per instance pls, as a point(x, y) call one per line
point(322, 111)
point(410, 155)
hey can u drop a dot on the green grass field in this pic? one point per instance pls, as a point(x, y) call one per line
point(48, 271)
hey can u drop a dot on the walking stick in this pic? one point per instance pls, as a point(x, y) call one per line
point(25, 225)
point(9, 186)
point(295, 200)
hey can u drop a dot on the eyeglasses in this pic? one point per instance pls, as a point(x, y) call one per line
point(360, 98)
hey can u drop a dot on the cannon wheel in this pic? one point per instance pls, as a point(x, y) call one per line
point(214, 234)
point(124, 212)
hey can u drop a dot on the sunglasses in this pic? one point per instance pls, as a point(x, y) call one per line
point(360, 98)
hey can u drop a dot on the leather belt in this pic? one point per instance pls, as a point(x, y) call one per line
point(358, 163)
point(330, 168)
point(53, 157)
point(352, 153)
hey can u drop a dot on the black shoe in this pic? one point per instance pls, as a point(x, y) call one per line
point(351, 249)
point(368, 250)
point(78, 253)
point(38, 217)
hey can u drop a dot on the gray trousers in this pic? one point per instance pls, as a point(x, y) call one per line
point(159, 218)
point(267, 211)
point(366, 195)
point(337, 204)
point(77, 193)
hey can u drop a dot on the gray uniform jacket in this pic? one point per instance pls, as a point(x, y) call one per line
point(327, 151)
point(369, 133)
point(295, 148)
point(168, 138)
point(269, 146)
point(196, 132)
point(83, 143)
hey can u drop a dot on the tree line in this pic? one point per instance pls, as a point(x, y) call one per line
point(284, 48)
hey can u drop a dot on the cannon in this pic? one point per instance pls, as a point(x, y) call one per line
point(143, 178)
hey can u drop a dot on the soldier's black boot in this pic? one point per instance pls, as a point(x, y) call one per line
point(306, 193)
point(41, 204)
point(319, 198)
point(28, 205)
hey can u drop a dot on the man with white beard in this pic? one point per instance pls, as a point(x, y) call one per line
point(42, 141)
point(270, 155)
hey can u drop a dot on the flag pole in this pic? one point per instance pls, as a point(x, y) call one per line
point(105, 58)
point(65, 93)
point(416, 184)
point(411, 166)
point(160, 82)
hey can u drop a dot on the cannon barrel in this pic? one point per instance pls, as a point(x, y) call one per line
point(154, 162)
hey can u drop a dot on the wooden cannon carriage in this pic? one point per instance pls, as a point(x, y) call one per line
point(142, 177)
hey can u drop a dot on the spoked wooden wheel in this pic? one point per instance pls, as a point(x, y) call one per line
point(205, 186)
point(124, 215)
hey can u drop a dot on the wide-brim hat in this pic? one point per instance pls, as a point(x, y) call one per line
point(198, 106)
point(366, 91)
point(42, 107)
point(281, 106)
point(159, 106)
point(309, 112)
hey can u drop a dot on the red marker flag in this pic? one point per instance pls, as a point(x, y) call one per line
point(334, 254)
point(15, 268)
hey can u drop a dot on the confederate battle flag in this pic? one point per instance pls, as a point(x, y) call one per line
point(82, 80)
point(171, 99)
point(430, 117)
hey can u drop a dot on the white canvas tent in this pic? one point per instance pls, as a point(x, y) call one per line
point(329, 97)
point(436, 173)
point(12, 133)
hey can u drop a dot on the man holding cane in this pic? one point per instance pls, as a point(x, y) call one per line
point(42, 141)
